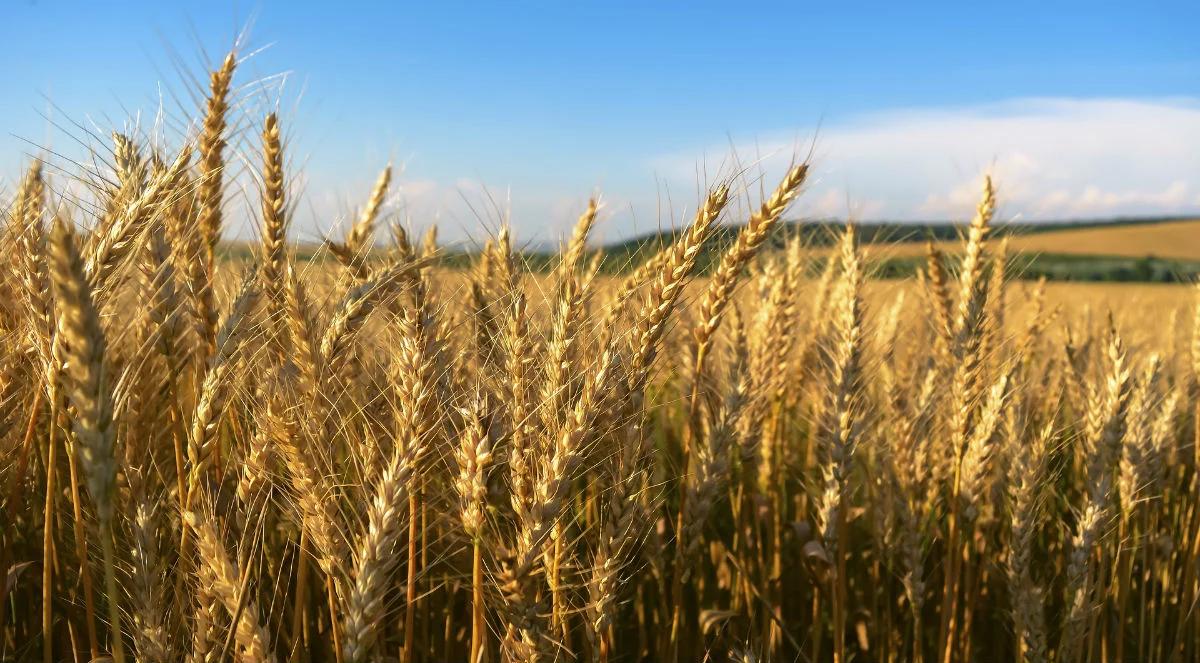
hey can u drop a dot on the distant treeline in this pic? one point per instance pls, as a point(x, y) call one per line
point(1072, 267)
point(1052, 266)
point(622, 256)
point(825, 232)
point(1055, 267)
point(1029, 266)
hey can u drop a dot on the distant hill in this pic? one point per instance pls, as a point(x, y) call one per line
point(1162, 230)
point(1154, 249)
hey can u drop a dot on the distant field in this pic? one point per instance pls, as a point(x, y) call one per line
point(1179, 240)
point(1149, 252)
point(1174, 239)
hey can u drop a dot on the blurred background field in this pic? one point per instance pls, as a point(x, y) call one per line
point(1119, 251)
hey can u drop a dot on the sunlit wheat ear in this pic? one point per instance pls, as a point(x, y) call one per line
point(840, 425)
point(218, 571)
point(214, 392)
point(87, 383)
point(1087, 531)
point(362, 233)
point(429, 243)
point(1137, 460)
point(1107, 415)
point(206, 639)
point(972, 290)
point(360, 237)
point(352, 313)
point(86, 374)
point(997, 292)
point(838, 429)
point(296, 333)
point(401, 245)
point(966, 342)
point(28, 213)
point(473, 455)
point(117, 238)
point(579, 236)
point(624, 521)
point(977, 456)
point(733, 262)
point(212, 159)
point(196, 284)
point(373, 562)
point(130, 168)
point(274, 212)
point(567, 317)
point(772, 363)
point(255, 481)
point(667, 286)
point(314, 504)
point(761, 343)
point(521, 445)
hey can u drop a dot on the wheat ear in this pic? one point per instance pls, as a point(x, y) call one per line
point(212, 162)
point(362, 233)
point(733, 262)
point(88, 389)
point(274, 212)
point(220, 574)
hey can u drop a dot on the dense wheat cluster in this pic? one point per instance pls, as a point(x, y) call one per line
point(378, 458)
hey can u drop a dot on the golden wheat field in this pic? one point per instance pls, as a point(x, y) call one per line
point(378, 458)
point(1170, 239)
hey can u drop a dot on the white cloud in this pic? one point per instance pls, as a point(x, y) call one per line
point(1051, 159)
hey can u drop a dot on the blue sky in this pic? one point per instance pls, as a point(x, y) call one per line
point(1080, 109)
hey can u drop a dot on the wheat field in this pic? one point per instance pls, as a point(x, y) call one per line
point(1167, 239)
point(378, 458)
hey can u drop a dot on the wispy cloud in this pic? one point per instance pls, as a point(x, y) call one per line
point(1052, 158)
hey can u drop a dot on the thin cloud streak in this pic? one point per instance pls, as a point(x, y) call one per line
point(1052, 158)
